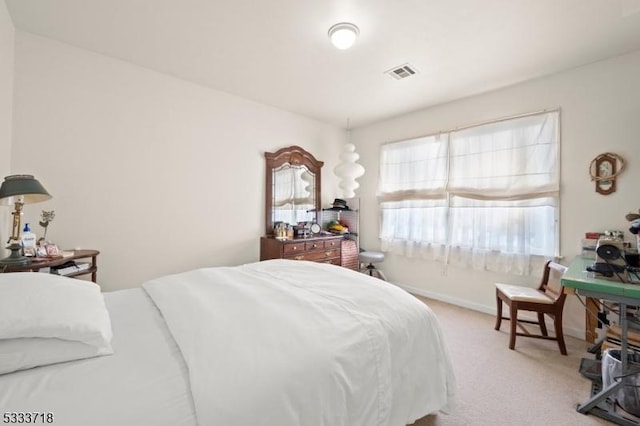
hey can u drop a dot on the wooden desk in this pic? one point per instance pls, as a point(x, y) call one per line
point(39, 263)
point(585, 284)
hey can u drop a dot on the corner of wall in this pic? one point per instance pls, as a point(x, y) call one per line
point(7, 58)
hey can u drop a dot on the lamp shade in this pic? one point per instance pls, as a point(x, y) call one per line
point(348, 171)
point(22, 188)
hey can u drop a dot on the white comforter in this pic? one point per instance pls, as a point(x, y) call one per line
point(281, 342)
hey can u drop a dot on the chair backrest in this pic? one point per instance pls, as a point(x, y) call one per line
point(550, 283)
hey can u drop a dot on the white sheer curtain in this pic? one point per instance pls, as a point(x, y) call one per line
point(484, 197)
point(412, 191)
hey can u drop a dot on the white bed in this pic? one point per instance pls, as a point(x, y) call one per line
point(273, 343)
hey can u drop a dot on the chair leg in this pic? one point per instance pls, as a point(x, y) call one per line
point(381, 275)
point(370, 267)
point(372, 271)
point(543, 325)
point(514, 322)
point(367, 269)
point(498, 311)
point(557, 322)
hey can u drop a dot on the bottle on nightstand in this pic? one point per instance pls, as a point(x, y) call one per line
point(28, 241)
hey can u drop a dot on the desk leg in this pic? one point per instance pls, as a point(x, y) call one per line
point(599, 397)
point(591, 320)
point(591, 405)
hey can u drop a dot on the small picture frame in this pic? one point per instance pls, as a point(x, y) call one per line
point(41, 251)
point(30, 251)
point(52, 250)
point(605, 167)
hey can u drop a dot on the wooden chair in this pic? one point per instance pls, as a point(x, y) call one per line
point(547, 299)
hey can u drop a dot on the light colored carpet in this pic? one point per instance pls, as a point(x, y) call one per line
point(531, 385)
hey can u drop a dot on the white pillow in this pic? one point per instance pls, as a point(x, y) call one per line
point(47, 318)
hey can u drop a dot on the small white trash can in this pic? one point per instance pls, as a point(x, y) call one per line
point(628, 396)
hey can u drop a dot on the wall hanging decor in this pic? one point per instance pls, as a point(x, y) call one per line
point(604, 169)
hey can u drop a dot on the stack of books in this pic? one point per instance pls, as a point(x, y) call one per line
point(70, 267)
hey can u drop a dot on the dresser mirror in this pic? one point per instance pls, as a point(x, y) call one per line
point(292, 187)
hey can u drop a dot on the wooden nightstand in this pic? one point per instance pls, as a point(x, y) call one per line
point(38, 263)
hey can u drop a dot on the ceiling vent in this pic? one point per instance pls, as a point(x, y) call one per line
point(402, 71)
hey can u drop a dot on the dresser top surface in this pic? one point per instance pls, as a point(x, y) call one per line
point(303, 239)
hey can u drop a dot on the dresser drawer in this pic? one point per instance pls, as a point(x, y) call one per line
point(315, 255)
point(293, 248)
point(314, 245)
point(333, 243)
point(332, 261)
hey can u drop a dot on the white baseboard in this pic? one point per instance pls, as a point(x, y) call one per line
point(579, 334)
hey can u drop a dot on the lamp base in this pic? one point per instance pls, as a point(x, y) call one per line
point(15, 258)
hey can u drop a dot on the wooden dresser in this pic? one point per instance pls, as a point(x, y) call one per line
point(326, 249)
point(307, 173)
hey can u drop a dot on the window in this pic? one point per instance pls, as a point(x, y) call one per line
point(486, 196)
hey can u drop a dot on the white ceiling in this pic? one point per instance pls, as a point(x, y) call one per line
point(277, 51)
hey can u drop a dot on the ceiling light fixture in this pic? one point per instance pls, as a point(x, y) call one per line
point(343, 35)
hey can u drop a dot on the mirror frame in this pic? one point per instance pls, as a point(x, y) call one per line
point(293, 155)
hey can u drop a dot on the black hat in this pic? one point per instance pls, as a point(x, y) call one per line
point(339, 204)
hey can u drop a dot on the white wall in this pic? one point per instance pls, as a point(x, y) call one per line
point(162, 175)
point(600, 112)
point(159, 174)
point(7, 34)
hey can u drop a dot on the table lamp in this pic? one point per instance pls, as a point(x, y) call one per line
point(18, 190)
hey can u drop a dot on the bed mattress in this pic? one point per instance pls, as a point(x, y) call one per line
point(275, 343)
